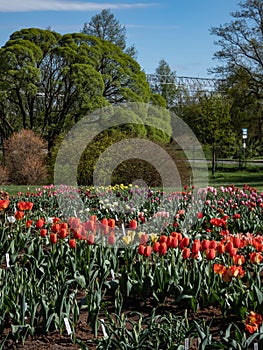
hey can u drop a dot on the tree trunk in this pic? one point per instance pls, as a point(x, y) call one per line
point(213, 160)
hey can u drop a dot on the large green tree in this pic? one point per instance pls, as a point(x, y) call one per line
point(105, 26)
point(49, 81)
point(209, 118)
point(164, 83)
point(240, 56)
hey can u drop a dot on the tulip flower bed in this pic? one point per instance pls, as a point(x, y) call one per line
point(128, 274)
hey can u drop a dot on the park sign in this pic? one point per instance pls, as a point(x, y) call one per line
point(244, 133)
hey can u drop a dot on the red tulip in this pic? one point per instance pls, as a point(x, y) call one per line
point(210, 254)
point(162, 248)
point(63, 232)
point(156, 247)
point(55, 228)
point(205, 244)
point(184, 242)
point(186, 252)
point(43, 232)
point(64, 225)
point(93, 218)
point(19, 215)
point(147, 250)
point(53, 238)
point(213, 244)
point(141, 249)
point(40, 223)
point(196, 246)
point(199, 215)
point(236, 242)
point(163, 239)
point(133, 224)
point(174, 242)
point(72, 243)
point(25, 205)
point(29, 223)
point(220, 248)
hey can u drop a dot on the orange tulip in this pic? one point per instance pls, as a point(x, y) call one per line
point(253, 321)
point(219, 269)
point(4, 203)
point(255, 257)
point(111, 223)
point(19, 215)
point(239, 259)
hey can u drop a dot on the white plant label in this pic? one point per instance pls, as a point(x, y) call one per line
point(67, 325)
point(123, 229)
point(105, 335)
point(7, 259)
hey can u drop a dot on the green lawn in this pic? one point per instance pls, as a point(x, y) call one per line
point(252, 176)
point(227, 175)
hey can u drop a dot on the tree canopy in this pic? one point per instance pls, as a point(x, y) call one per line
point(48, 81)
point(105, 26)
point(241, 42)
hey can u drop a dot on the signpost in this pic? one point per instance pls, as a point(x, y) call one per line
point(244, 138)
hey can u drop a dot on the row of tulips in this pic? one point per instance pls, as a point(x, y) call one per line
point(217, 261)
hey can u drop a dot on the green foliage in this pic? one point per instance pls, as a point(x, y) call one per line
point(165, 84)
point(209, 118)
point(241, 65)
point(50, 81)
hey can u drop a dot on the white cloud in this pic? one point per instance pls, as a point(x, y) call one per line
point(61, 5)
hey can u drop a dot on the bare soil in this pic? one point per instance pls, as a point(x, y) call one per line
point(56, 341)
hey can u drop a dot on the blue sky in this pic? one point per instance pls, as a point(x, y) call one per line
point(174, 30)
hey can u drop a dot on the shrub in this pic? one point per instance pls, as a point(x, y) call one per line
point(24, 158)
